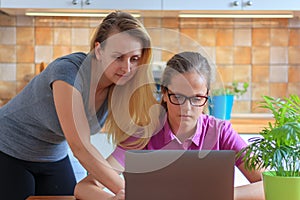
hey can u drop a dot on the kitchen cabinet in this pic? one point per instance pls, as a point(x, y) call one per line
point(83, 4)
point(38, 4)
point(122, 4)
point(228, 5)
point(201, 5)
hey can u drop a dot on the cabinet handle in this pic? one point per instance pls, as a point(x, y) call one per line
point(74, 2)
point(236, 3)
point(249, 3)
point(87, 2)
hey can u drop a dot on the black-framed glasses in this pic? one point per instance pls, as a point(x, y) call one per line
point(179, 99)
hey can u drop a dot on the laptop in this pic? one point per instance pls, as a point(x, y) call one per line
point(179, 174)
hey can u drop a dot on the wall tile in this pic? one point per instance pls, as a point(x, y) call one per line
point(206, 37)
point(25, 36)
point(242, 55)
point(255, 107)
point(294, 39)
point(258, 90)
point(25, 72)
point(152, 22)
point(7, 35)
point(188, 23)
point(225, 73)
point(25, 53)
point(278, 90)
point(80, 22)
point(294, 53)
point(62, 36)
point(209, 53)
point(7, 53)
point(62, 22)
point(170, 22)
point(187, 42)
point(260, 37)
point(43, 36)
point(155, 34)
point(279, 36)
point(242, 73)
point(260, 55)
point(242, 37)
point(241, 107)
point(224, 37)
point(59, 51)
point(242, 23)
point(294, 23)
point(191, 33)
point(172, 43)
point(7, 90)
point(294, 74)
point(24, 20)
point(224, 55)
point(205, 22)
point(80, 36)
point(293, 88)
point(263, 51)
point(278, 55)
point(6, 20)
point(260, 73)
point(7, 72)
point(278, 74)
point(261, 23)
point(43, 54)
point(43, 21)
point(84, 49)
point(281, 23)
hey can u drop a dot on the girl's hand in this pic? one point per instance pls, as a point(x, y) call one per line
point(119, 196)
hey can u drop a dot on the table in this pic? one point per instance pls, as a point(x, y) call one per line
point(51, 197)
point(250, 123)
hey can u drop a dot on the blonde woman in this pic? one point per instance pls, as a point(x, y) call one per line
point(72, 99)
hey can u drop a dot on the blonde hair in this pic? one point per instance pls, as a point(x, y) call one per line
point(129, 113)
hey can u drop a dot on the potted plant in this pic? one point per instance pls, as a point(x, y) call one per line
point(277, 151)
point(221, 99)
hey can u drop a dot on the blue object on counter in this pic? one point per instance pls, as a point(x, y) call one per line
point(221, 106)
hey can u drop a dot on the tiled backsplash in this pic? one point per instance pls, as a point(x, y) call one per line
point(264, 52)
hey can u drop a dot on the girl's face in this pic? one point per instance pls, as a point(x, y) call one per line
point(120, 58)
point(185, 116)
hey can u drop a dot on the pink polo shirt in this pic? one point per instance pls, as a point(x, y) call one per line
point(211, 134)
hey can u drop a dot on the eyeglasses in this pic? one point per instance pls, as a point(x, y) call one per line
point(179, 99)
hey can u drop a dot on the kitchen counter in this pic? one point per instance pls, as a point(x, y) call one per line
point(250, 123)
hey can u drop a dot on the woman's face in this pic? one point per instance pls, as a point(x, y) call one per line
point(185, 116)
point(120, 57)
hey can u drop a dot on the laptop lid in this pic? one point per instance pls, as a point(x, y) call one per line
point(179, 174)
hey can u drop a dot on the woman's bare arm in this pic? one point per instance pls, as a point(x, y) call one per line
point(252, 191)
point(89, 188)
point(70, 110)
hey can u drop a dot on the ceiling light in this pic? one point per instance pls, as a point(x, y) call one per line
point(232, 15)
point(71, 14)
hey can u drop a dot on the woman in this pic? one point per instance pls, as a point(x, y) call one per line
point(68, 101)
point(185, 87)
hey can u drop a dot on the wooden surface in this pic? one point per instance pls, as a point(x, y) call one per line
point(51, 197)
point(250, 125)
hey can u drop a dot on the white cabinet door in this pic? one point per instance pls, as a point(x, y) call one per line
point(49, 4)
point(122, 4)
point(271, 5)
point(202, 4)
